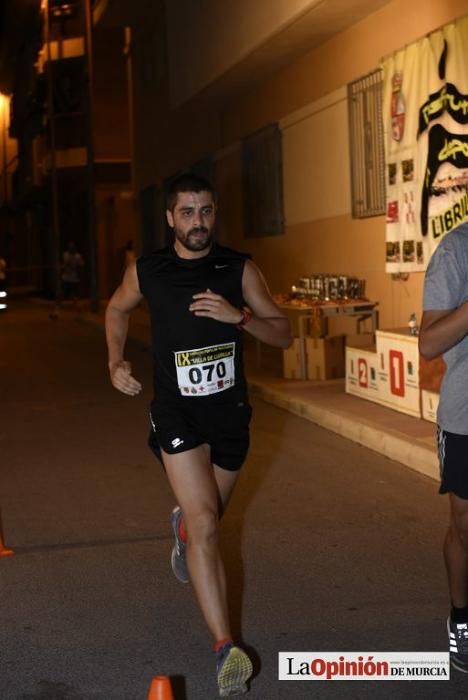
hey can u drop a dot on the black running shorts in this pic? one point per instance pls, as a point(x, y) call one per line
point(178, 427)
point(453, 459)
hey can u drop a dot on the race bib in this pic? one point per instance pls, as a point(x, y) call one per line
point(205, 370)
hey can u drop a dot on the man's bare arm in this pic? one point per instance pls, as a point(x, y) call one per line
point(442, 329)
point(268, 323)
point(126, 298)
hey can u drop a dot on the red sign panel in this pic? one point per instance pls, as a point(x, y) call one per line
point(362, 371)
point(397, 373)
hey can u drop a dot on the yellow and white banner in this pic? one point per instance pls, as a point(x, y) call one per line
point(425, 115)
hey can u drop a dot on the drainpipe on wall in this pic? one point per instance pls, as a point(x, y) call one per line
point(92, 243)
point(52, 156)
point(128, 56)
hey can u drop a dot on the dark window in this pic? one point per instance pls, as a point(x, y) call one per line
point(152, 219)
point(115, 172)
point(262, 174)
point(365, 98)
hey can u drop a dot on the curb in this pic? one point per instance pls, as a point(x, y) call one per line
point(390, 444)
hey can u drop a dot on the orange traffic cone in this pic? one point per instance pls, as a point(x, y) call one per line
point(4, 551)
point(160, 689)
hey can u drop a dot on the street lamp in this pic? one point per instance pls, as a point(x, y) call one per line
point(4, 112)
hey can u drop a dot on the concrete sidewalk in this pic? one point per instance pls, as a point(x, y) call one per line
point(410, 441)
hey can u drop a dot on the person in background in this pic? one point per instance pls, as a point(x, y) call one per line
point(202, 298)
point(72, 264)
point(444, 331)
point(71, 269)
point(3, 290)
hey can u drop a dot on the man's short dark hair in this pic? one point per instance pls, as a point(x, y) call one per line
point(188, 182)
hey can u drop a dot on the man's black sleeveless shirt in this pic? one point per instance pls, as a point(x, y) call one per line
point(196, 359)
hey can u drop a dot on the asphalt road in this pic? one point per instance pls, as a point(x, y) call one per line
point(328, 546)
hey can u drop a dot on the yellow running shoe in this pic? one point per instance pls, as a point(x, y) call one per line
point(233, 668)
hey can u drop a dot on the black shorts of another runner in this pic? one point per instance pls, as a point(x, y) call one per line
point(180, 426)
point(453, 461)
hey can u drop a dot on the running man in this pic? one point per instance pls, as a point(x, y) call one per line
point(202, 297)
point(444, 329)
point(71, 268)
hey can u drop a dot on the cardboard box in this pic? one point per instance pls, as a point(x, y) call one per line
point(429, 404)
point(292, 360)
point(360, 340)
point(315, 324)
point(362, 378)
point(325, 358)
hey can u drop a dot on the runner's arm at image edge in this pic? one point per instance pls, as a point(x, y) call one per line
point(441, 329)
point(268, 323)
point(126, 298)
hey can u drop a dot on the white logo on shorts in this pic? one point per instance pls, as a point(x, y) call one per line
point(177, 442)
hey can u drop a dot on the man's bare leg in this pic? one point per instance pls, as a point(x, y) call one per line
point(456, 562)
point(225, 481)
point(201, 489)
point(456, 551)
point(192, 478)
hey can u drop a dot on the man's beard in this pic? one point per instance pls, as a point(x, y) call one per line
point(196, 239)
